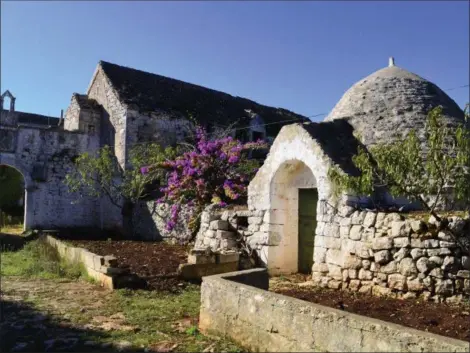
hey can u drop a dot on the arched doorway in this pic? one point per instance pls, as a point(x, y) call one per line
point(293, 207)
point(12, 198)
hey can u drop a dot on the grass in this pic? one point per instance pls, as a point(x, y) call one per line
point(15, 229)
point(37, 259)
point(165, 321)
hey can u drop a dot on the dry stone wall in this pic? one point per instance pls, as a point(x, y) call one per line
point(386, 254)
point(229, 229)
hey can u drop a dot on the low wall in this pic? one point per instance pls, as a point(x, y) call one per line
point(266, 321)
point(388, 254)
point(103, 269)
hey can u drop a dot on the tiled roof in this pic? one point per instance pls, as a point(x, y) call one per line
point(150, 92)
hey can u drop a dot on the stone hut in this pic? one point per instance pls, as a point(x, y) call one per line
point(296, 225)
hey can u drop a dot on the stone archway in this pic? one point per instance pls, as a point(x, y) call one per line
point(290, 179)
point(28, 221)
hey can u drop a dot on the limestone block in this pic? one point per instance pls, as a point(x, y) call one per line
point(382, 243)
point(255, 220)
point(417, 226)
point(401, 242)
point(407, 267)
point(381, 291)
point(433, 252)
point(345, 222)
point(466, 262)
point(423, 265)
point(214, 243)
point(463, 274)
point(335, 272)
point(398, 229)
point(445, 251)
point(319, 254)
point(227, 257)
point(207, 217)
point(414, 285)
point(253, 227)
point(210, 233)
point(344, 231)
point(334, 284)
point(447, 244)
point(369, 219)
point(366, 287)
point(428, 282)
point(328, 242)
point(396, 281)
point(417, 253)
point(449, 263)
point(431, 243)
point(436, 260)
point(400, 254)
point(333, 231)
point(199, 258)
point(363, 251)
point(320, 267)
point(417, 243)
point(365, 274)
point(444, 287)
point(224, 234)
point(345, 210)
point(382, 257)
point(335, 257)
point(352, 274)
point(352, 262)
point(354, 284)
point(320, 228)
point(382, 276)
point(389, 268)
point(374, 267)
point(379, 220)
point(356, 232)
point(442, 235)
point(436, 272)
point(366, 264)
point(457, 224)
point(218, 225)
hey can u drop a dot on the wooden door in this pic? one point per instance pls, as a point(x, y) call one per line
point(307, 224)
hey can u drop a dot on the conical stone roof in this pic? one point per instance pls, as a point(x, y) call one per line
point(391, 101)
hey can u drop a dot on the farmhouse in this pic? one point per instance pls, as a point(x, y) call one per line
point(121, 107)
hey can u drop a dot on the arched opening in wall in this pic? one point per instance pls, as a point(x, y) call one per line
point(292, 219)
point(12, 200)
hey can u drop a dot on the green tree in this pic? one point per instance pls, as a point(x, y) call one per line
point(440, 167)
point(100, 175)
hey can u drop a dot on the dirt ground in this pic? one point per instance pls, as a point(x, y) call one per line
point(155, 262)
point(439, 318)
point(44, 315)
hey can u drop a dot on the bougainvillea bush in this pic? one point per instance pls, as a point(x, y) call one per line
point(213, 172)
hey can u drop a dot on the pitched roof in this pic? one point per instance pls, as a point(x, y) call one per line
point(150, 92)
point(85, 102)
point(36, 119)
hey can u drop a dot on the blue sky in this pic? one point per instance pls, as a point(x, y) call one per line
point(300, 56)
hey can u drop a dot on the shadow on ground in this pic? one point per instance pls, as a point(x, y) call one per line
point(11, 242)
point(23, 329)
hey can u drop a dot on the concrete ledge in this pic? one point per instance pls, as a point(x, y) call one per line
point(266, 321)
point(197, 271)
point(103, 269)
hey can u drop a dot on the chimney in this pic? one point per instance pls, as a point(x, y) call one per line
point(61, 117)
point(391, 61)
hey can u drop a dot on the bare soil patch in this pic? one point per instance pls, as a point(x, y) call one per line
point(439, 318)
point(155, 262)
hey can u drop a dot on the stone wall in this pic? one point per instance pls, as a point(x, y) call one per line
point(228, 229)
point(44, 156)
point(150, 221)
point(387, 254)
point(270, 322)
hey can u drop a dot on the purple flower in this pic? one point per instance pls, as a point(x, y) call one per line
point(144, 170)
